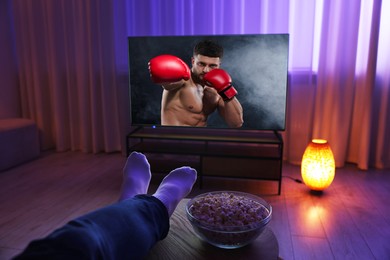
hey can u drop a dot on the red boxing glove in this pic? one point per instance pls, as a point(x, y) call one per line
point(167, 69)
point(221, 81)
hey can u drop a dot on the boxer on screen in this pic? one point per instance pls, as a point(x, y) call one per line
point(190, 96)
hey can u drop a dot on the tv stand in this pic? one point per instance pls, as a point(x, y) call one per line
point(221, 152)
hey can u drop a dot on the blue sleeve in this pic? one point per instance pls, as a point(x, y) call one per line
point(125, 230)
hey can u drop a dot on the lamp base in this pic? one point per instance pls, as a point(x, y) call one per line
point(316, 192)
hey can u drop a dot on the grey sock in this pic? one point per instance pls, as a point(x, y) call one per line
point(175, 186)
point(136, 176)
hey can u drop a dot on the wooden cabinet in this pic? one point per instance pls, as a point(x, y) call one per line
point(247, 154)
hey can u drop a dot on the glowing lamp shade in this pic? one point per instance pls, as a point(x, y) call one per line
point(318, 165)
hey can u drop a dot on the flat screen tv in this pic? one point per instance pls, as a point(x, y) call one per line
point(257, 65)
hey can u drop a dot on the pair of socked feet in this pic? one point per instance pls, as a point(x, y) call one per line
point(173, 188)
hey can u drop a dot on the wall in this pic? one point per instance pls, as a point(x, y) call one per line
point(9, 85)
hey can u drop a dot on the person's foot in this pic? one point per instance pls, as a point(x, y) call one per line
point(175, 186)
point(136, 176)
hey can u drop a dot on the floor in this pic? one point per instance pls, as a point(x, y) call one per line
point(349, 220)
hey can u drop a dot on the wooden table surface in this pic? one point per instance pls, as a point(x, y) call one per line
point(182, 243)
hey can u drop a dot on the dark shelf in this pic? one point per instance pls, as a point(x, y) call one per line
point(212, 144)
point(207, 134)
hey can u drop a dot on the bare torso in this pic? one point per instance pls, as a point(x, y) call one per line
point(187, 105)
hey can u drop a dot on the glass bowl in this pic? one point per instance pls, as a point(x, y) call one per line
point(228, 219)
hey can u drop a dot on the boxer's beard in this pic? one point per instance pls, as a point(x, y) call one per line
point(198, 78)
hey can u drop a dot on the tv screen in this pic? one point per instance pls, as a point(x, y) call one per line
point(241, 83)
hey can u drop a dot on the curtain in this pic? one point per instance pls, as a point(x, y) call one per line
point(68, 73)
point(72, 60)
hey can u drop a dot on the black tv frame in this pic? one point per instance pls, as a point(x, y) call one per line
point(257, 63)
